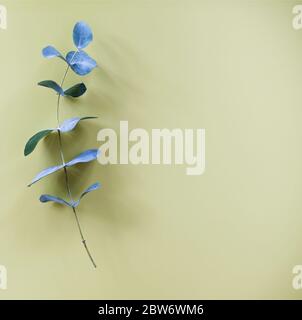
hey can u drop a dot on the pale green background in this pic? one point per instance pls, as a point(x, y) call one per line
point(231, 67)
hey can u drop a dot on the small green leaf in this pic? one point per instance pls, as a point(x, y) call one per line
point(33, 141)
point(52, 85)
point(76, 91)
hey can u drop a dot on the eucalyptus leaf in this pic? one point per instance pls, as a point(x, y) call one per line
point(52, 85)
point(33, 141)
point(76, 91)
point(47, 198)
point(51, 52)
point(80, 62)
point(71, 123)
point(82, 35)
point(86, 156)
point(93, 187)
point(45, 173)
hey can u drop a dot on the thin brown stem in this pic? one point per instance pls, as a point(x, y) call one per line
point(83, 239)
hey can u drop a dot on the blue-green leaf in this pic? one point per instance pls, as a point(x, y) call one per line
point(45, 173)
point(86, 156)
point(80, 62)
point(71, 123)
point(93, 187)
point(52, 85)
point(76, 91)
point(47, 198)
point(33, 141)
point(51, 52)
point(82, 35)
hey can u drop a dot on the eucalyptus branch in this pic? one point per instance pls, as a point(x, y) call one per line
point(81, 63)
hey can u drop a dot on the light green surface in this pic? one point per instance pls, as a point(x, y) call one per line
point(231, 67)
